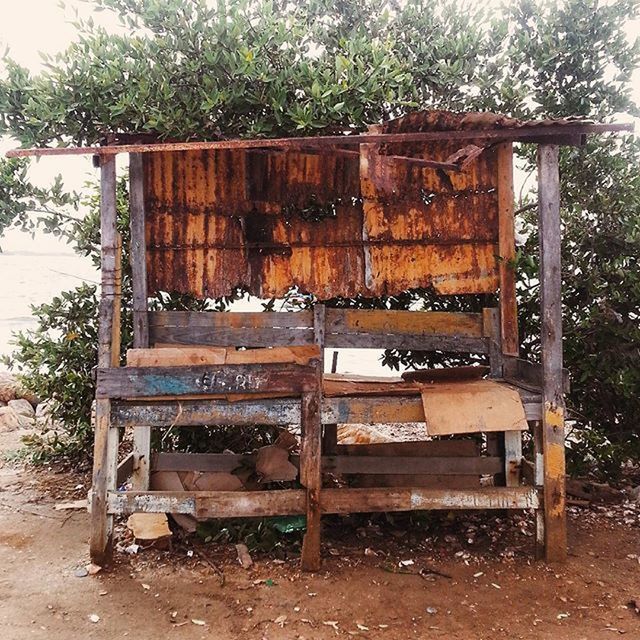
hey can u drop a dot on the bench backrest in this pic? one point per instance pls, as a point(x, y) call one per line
point(354, 328)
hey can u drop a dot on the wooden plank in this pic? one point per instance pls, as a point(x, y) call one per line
point(137, 382)
point(105, 452)
point(311, 472)
point(232, 504)
point(438, 448)
point(281, 411)
point(340, 464)
point(507, 251)
point(415, 499)
point(551, 315)
point(137, 257)
point(184, 356)
point(138, 261)
point(382, 465)
point(413, 323)
point(230, 336)
point(455, 344)
point(233, 319)
point(541, 132)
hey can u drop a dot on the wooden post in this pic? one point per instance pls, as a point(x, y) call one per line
point(538, 481)
point(311, 455)
point(551, 320)
point(105, 455)
point(138, 258)
point(491, 330)
point(507, 251)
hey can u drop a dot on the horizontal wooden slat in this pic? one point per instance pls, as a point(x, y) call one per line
point(415, 323)
point(416, 499)
point(282, 411)
point(427, 342)
point(230, 336)
point(412, 465)
point(439, 448)
point(135, 382)
point(235, 319)
point(340, 464)
point(232, 504)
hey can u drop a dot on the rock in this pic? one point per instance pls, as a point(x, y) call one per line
point(244, 558)
point(22, 407)
point(634, 494)
point(11, 389)
point(8, 387)
point(10, 420)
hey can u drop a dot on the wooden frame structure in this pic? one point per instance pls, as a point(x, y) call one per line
point(148, 397)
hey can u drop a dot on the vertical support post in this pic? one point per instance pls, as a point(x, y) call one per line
point(491, 330)
point(507, 251)
point(141, 434)
point(311, 455)
point(552, 386)
point(105, 457)
point(538, 481)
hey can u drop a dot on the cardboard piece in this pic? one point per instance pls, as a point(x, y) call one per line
point(471, 407)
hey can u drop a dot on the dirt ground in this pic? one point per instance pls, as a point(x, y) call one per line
point(486, 584)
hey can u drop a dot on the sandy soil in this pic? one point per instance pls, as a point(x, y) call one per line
point(492, 587)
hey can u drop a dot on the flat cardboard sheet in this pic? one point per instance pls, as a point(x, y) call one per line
point(471, 407)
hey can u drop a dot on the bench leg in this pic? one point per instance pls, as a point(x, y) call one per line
point(538, 475)
point(105, 462)
point(311, 478)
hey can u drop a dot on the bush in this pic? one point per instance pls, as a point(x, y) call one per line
point(187, 69)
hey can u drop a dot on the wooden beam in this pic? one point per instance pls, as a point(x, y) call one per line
point(406, 323)
point(540, 132)
point(138, 260)
point(282, 411)
point(232, 504)
point(551, 315)
point(311, 454)
point(140, 382)
point(339, 464)
point(105, 452)
point(507, 251)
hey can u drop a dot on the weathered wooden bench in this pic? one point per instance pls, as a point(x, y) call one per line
point(159, 396)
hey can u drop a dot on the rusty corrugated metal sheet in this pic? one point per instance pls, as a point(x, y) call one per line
point(226, 218)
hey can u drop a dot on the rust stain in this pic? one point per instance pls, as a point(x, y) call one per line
point(222, 218)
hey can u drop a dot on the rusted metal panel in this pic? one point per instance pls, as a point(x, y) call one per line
point(332, 224)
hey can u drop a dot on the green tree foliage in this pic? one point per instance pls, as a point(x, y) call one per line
point(195, 69)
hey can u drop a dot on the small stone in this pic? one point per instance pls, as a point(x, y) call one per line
point(432, 611)
point(81, 572)
point(94, 617)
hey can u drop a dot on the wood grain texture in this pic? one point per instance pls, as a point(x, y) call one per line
point(281, 411)
point(140, 382)
point(507, 251)
point(229, 504)
point(105, 451)
point(551, 314)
